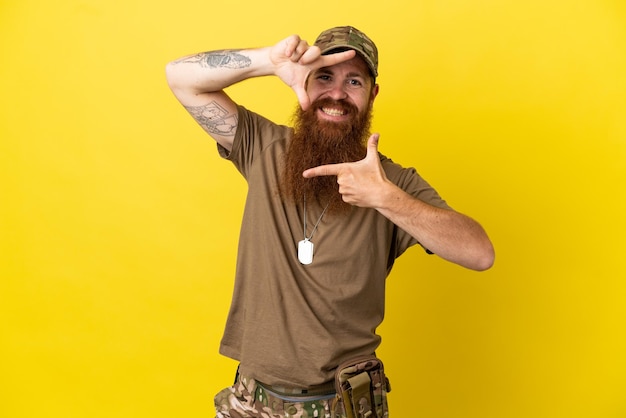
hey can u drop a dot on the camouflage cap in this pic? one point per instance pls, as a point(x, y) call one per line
point(342, 38)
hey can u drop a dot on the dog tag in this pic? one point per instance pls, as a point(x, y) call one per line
point(305, 251)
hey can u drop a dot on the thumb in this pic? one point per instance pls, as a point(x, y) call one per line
point(372, 146)
point(303, 97)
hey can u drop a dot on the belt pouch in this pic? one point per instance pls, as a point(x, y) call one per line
point(362, 386)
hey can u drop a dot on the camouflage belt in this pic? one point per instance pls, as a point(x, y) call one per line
point(325, 389)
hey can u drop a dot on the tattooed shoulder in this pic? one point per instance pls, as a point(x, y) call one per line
point(218, 59)
point(214, 119)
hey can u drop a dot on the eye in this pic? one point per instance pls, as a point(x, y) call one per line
point(353, 82)
point(323, 77)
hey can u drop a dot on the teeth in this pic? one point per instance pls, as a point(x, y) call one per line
point(332, 112)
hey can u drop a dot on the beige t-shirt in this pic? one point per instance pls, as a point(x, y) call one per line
point(291, 324)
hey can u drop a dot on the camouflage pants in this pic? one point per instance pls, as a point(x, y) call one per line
point(247, 399)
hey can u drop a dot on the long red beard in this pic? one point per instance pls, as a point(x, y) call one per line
point(315, 143)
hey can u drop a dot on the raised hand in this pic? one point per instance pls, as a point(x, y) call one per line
point(361, 183)
point(294, 59)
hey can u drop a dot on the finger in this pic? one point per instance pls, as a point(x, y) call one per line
point(300, 50)
point(311, 54)
point(336, 58)
point(323, 170)
point(291, 43)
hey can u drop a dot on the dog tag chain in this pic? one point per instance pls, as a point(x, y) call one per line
point(305, 247)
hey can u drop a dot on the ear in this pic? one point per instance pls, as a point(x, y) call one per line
point(374, 92)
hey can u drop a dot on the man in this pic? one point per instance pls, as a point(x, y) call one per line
point(326, 216)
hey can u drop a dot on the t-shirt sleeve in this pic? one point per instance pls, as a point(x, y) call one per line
point(254, 133)
point(411, 182)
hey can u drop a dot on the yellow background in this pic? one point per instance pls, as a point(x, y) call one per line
point(119, 222)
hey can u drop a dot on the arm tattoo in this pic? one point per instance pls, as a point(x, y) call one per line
point(218, 59)
point(214, 119)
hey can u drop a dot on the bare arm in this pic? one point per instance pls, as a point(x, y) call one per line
point(198, 81)
point(449, 234)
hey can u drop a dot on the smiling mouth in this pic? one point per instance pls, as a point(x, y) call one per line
point(333, 112)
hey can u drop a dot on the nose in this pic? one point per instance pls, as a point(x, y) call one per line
point(337, 91)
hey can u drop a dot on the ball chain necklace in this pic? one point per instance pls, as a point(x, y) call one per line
point(305, 247)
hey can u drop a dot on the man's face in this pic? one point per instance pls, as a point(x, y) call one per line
point(334, 129)
point(348, 82)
